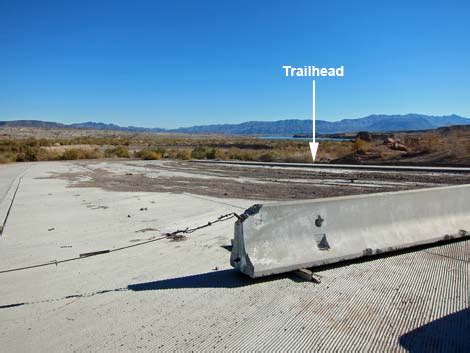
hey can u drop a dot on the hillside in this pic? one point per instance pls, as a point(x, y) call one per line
point(33, 124)
point(373, 123)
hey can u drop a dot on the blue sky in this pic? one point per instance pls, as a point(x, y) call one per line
point(180, 63)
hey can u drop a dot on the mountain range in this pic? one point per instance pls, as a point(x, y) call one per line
point(373, 123)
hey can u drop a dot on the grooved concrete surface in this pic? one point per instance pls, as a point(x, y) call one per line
point(184, 295)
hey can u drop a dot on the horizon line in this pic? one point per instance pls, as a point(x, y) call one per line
point(223, 123)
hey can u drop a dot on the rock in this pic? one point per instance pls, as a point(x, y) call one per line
point(398, 147)
point(394, 144)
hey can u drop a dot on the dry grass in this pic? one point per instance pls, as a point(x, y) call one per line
point(148, 154)
point(453, 144)
point(226, 148)
point(330, 150)
point(118, 151)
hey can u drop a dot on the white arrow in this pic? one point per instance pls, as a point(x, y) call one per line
point(313, 144)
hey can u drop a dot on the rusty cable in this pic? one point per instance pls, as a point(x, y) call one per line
point(176, 235)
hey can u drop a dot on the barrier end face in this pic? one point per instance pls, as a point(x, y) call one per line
point(251, 211)
point(239, 259)
point(247, 267)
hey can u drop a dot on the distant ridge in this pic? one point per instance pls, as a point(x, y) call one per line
point(373, 123)
point(102, 126)
point(32, 123)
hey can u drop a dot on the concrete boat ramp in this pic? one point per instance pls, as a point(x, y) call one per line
point(184, 295)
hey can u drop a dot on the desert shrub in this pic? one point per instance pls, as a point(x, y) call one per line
point(183, 154)
point(80, 153)
point(203, 152)
point(360, 145)
point(45, 154)
point(148, 154)
point(92, 154)
point(71, 154)
point(234, 153)
point(335, 149)
point(248, 156)
point(266, 157)
point(242, 155)
point(29, 154)
point(412, 142)
point(431, 143)
point(118, 151)
point(7, 158)
point(199, 152)
point(221, 154)
point(212, 154)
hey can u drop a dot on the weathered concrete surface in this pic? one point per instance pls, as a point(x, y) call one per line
point(280, 237)
point(170, 296)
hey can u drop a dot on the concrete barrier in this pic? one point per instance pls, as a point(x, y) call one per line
point(285, 236)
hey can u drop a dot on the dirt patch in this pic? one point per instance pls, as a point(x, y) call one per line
point(252, 183)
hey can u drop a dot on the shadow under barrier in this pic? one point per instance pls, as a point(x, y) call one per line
point(447, 334)
point(230, 278)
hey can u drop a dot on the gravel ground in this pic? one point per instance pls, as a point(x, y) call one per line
point(247, 182)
